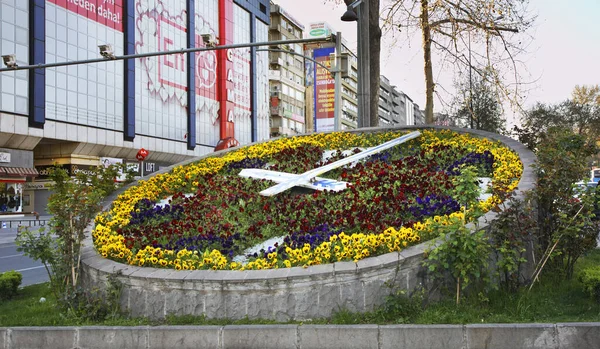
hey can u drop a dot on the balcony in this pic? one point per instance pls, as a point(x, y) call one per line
point(276, 60)
point(275, 75)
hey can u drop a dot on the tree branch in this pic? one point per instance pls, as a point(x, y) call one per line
point(474, 24)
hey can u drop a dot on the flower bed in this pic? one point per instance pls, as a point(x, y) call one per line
point(396, 198)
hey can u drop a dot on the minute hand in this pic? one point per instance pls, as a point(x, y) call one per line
point(308, 175)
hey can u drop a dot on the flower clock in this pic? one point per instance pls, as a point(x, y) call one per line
point(205, 216)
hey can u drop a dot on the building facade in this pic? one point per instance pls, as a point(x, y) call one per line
point(349, 112)
point(286, 76)
point(419, 115)
point(176, 106)
point(392, 105)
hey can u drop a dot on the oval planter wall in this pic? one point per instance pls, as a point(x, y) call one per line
point(278, 294)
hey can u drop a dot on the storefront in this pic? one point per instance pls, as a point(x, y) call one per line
point(16, 169)
point(37, 193)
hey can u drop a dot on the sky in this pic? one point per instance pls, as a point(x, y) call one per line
point(564, 50)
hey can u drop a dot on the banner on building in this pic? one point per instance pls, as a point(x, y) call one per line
point(324, 97)
point(107, 12)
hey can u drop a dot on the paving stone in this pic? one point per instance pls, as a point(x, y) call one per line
point(421, 336)
point(184, 337)
point(511, 336)
point(42, 337)
point(260, 337)
point(100, 337)
point(342, 337)
point(579, 335)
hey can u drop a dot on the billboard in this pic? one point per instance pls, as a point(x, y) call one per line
point(324, 96)
point(319, 30)
point(106, 12)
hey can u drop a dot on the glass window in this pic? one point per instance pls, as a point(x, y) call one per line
point(14, 35)
point(79, 95)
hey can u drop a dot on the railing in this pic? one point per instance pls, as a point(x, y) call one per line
point(19, 219)
point(22, 223)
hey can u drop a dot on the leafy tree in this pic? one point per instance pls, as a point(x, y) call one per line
point(587, 95)
point(73, 204)
point(478, 106)
point(580, 114)
point(450, 26)
point(462, 255)
point(566, 225)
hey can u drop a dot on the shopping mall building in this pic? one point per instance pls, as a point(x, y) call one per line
point(175, 106)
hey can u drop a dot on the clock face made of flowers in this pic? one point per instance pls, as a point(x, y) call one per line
point(309, 178)
point(206, 216)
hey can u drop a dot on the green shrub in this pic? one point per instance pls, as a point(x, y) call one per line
point(9, 284)
point(590, 277)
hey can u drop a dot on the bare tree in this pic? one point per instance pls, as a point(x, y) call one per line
point(476, 104)
point(488, 30)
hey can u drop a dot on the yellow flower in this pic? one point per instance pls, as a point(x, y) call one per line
point(507, 170)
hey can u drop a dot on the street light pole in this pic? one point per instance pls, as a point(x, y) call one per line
point(337, 72)
point(364, 66)
point(470, 85)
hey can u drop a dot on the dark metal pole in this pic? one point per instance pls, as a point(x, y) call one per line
point(164, 53)
point(364, 69)
point(470, 85)
point(296, 54)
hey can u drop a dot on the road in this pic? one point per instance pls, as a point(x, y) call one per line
point(10, 259)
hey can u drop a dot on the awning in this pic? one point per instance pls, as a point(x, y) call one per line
point(18, 171)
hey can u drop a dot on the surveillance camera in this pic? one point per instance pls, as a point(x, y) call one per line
point(10, 61)
point(106, 51)
point(209, 40)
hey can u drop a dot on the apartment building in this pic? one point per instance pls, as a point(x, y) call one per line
point(419, 115)
point(392, 109)
point(349, 112)
point(286, 76)
point(175, 106)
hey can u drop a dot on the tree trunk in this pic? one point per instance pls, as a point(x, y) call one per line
point(375, 52)
point(429, 84)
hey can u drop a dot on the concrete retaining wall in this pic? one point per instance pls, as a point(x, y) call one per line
point(280, 294)
point(489, 336)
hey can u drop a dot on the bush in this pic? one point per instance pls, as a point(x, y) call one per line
point(590, 277)
point(9, 284)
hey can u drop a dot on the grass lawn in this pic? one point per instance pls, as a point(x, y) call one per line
point(549, 301)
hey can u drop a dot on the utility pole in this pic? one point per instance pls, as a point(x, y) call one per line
point(471, 112)
point(337, 72)
point(364, 66)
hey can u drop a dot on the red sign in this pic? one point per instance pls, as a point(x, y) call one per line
point(225, 68)
point(228, 142)
point(142, 154)
point(106, 12)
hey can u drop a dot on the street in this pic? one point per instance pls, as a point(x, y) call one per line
point(10, 259)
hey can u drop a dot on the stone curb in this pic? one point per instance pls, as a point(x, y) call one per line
point(290, 294)
point(475, 336)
